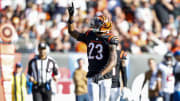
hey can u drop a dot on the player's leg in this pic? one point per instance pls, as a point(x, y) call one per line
point(115, 94)
point(166, 96)
point(93, 90)
point(37, 96)
point(105, 89)
point(46, 96)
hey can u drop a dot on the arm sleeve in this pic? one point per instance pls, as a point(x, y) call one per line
point(124, 75)
point(83, 36)
point(55, 69)
point(29, 68)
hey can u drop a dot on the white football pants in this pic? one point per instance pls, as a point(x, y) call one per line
point(100, 91)
point(115, 94)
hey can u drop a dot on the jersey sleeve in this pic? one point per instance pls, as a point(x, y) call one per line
point(30, 68)
point(83, 36)
point(55, 68)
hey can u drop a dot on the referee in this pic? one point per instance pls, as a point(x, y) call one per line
point(42, 69)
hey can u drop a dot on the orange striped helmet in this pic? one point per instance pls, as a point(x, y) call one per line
point(101, 24)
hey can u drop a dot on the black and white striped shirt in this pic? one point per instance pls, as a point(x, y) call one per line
point(42, 69)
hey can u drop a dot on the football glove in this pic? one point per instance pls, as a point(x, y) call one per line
point(97, 77)
point(71, 10)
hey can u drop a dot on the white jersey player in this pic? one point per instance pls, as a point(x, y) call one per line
point(168, 80)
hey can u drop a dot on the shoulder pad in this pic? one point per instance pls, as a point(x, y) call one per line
point(113, 40)
point(87, 33)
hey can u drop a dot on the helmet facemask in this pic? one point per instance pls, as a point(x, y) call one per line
point(100, 24)
point(168, 58)
point(96, 24)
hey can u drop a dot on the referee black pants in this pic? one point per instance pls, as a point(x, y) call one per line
point(39, 95)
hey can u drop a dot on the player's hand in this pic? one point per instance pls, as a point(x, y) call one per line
point(97, 77)
point(71, 10)
point(31, 79)
point(55, 78)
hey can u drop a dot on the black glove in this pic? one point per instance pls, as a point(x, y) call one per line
point(71, 10)
point(97, 77)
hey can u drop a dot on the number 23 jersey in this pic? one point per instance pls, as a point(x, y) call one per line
point(97, 50)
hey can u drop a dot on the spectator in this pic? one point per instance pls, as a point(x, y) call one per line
point(42, 69)
point(176, 44)
point(133, 20)
point(162, 8)
point(32, 15)
point(155, 45)
point(81, 47)
point(169, 29)
point(19, 91)
point(166, 67)
point(120, 21)
point(144, 15)
point(41, 28)
point(55, 36)
point(154, 77)
point(80, 81)
point(177, 76)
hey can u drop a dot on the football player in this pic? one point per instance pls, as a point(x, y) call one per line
point(101, 52)
point(120, 68)
point(168, 80)
point(177, 76)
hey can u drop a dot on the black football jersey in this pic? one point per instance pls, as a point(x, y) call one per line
point(97, 51)
point(117, 69)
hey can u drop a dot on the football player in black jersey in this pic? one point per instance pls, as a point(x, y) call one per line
point(120, 68)
point(101, 52)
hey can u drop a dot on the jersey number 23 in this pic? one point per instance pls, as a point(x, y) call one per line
point(98, 48)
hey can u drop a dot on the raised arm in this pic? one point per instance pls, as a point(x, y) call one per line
point(74, 33)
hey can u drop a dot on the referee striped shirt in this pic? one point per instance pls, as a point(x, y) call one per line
point(42, 69)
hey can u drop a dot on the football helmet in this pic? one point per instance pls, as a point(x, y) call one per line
point(101, 24)
point(168, 58)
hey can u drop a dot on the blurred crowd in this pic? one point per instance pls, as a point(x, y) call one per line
point(151, 26)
